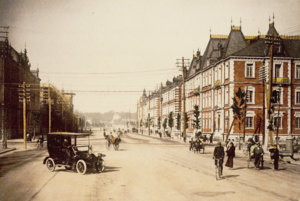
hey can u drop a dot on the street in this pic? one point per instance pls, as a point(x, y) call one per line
point(145, 168)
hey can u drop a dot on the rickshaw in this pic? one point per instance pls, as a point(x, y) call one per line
point(251, 157)
point(111, 141)
point(64, 152)
point(198, 145)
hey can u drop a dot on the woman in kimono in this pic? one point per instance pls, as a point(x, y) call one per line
point(230, 153)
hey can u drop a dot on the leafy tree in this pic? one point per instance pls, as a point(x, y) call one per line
point(238, 107)
point(170, 121)
point(196, 121)
point(165, 123)
point(35, 121)
point(159, 122)
point(186, 121)
point(178, 121)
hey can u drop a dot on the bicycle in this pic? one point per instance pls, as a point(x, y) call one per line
point(218, 169)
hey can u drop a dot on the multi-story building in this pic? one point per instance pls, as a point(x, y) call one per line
point(231, 62)
point(15, 69)
point(169, 97)
point(62, 110)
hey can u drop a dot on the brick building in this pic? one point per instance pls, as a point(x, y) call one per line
point(228, 63)
point(15, 69)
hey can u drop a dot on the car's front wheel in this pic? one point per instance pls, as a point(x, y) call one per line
point(81, 167)
point(50, 164)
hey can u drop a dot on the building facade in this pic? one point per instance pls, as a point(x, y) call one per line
point(16, 69)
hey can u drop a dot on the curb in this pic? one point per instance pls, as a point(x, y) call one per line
point(7, 150)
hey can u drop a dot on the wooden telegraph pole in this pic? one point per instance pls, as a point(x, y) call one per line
point(272, 41)
point(161, 105)
point(136, 116)
point(49, 99)
point(149, 116)
point(142, 114)
point(24, 114)
point(183, 94)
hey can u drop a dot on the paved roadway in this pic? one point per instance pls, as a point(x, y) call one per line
point(145, 168)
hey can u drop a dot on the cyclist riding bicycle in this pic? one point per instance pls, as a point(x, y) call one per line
point(219, 154)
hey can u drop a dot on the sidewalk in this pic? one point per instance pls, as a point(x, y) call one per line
point(18, 144)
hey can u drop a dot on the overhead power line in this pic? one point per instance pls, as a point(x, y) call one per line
point(128, 72)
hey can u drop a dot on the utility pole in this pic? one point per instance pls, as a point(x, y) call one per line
point(24, 114)
point(136, 116)
point(272, 41)
point(49, 99)
point(142, 114)
point(149, 116)
point(161, 105)
point(183, 93)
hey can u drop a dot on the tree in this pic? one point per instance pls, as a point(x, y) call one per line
point(146, 123)
point(170, 121)
point(178, 121)
point(196, 121)
point(186, 120)
point(159, 122)
point(35, 121)
point(238, 107)
point(165, 123)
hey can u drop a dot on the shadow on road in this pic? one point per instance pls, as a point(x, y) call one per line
point(111, 169)
point(230, 176)
point(239, 168)
point(18, 159)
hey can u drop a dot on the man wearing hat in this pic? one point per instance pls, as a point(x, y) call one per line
point(258, 152)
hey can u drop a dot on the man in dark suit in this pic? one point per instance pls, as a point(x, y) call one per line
point(219, 154)
point(258, 152)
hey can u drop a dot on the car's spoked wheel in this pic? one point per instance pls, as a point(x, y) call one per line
point(50, 164)
point(81, 167)
point(108, 147)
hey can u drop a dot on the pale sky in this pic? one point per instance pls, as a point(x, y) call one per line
point(90, 46)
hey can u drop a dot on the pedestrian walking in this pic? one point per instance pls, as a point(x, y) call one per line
point(274, 153)
point(211, 139)
point(191, 144)
point(231, 154)
point(258, 153)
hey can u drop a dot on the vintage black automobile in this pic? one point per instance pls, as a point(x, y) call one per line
point(64, 152)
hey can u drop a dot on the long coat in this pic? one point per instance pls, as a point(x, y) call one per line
point(231, 155)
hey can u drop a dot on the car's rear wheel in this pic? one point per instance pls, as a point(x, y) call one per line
point(81, 167)
point(50, 164)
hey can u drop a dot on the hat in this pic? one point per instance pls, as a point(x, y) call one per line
point(219, 143)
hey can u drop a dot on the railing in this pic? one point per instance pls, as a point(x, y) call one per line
point(218, 82)
point(283, 80)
